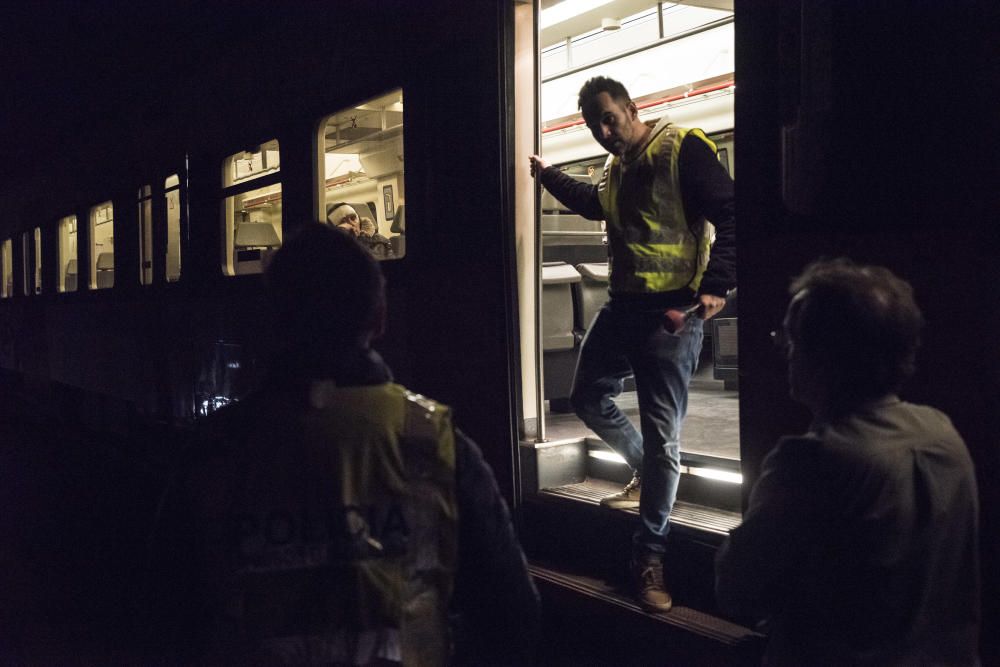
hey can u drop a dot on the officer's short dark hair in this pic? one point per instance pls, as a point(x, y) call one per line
point(601, 84)
point(323, 288)
point(861, 323)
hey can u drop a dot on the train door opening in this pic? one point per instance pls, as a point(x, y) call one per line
point(676, 60)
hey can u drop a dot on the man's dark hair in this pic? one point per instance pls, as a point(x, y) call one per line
point(860, 323)
point(601, 84)
point(324, 291)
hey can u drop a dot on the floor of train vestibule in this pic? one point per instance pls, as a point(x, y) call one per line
point(711, 428)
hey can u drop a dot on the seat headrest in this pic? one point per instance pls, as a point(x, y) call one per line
point(399, 220)
point(106, 261)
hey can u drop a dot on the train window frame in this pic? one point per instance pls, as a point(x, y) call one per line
point(145, 228)
point(7, 269)
point(68, 253)
point(370, 173)
point(174, 214)
point(31, 261)
point(25, 264)
point(251, 185)
point(38, 259)
point(99, 215)
point(27, 257)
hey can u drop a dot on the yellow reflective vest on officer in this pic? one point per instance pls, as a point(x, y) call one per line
point(654, 247)
point(338, 544)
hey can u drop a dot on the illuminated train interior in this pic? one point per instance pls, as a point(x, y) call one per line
point(574, 268)
point(131, 271)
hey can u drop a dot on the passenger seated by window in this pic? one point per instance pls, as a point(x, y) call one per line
point(377, 244)
point(859, 546)
point(334, 517)
point(345, 218)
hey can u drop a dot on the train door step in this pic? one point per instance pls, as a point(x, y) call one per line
point(710, 523)
point(566, 527)
point(592, 622)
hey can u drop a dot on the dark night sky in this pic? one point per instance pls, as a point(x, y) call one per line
point(71, 71)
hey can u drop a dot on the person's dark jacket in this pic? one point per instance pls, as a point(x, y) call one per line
point(495, 604)
point(859, 546)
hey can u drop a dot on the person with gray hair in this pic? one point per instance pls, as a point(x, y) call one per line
point(860, 542)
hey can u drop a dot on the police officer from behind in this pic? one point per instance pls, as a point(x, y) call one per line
point(660, 189)
point(859, 545)
point(338, 518)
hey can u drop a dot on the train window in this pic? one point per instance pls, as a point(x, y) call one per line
point(251, 223)
point(145, 235)
point(67, 254)
point(7, 269)
point(102, 248)
point(172, 200)
point(361, 162)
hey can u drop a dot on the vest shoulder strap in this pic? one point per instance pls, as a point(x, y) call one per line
point(427, 429)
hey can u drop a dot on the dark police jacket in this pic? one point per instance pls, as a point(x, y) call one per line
point(345, 522)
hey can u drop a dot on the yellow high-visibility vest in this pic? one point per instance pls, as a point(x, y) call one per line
point(653, 246)
point(338, 544)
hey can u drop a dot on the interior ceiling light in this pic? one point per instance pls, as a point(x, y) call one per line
point(566, 10)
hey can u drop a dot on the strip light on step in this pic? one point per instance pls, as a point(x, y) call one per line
point(709, 473)
point(716, 474)
point(605, 455)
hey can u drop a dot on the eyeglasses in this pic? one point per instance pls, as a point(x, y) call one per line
point(780, 340)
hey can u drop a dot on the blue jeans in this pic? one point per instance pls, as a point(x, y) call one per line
point(624, 341)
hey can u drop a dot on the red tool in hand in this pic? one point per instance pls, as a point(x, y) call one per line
point(675, 319)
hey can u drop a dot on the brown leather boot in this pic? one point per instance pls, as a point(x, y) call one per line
point(647, 578)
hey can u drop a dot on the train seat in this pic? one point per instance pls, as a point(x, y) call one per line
point(256, 235)
point(71, 272)
point(398, 243)
point(558, 317)
point(254, 241)
point(105, 270)
point(399, 220)
point(559, 339)
point(398, 228)
point(591, 292)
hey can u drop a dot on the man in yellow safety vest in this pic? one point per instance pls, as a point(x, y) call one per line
point(660, 188)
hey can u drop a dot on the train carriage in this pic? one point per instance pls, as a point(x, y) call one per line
point(132, 253)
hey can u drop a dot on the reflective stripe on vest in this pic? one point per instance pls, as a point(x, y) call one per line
point(653, 248)
point(345, 550)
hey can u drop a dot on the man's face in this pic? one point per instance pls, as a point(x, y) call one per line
point(349, 223)
point(611, 122)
